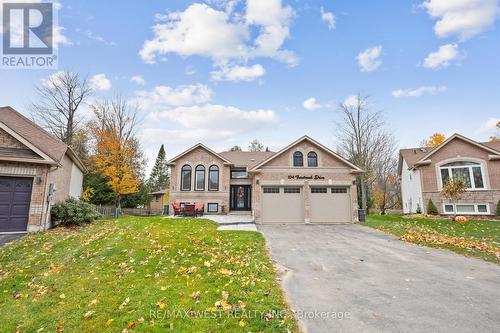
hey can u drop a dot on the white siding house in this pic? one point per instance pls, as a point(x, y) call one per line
point(411, 190)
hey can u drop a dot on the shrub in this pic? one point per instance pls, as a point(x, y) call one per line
point(73, 212)
point(431, 208)
point(419, 210)
point(498, 208)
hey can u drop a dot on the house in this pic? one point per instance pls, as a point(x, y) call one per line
point(36, 170)
point(423, 171)
point(305, 182)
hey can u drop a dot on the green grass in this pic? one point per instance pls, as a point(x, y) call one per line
point(462, 239)
point(141, 275)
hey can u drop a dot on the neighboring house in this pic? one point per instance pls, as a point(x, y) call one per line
point(36, 170)
point(423, 171)
point(304, 182)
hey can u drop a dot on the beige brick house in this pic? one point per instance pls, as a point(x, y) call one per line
point(423, 171)
point(36, 170)
point(304, 182)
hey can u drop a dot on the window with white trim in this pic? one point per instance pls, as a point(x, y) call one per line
point(199, 178)
point(470, 172)
point(319, 190)
point(466, 208)
point(339, 189)
point(292, 190)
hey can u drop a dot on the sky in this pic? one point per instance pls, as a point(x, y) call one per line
point(226, 72)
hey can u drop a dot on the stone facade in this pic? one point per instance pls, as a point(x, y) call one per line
point(460, 150)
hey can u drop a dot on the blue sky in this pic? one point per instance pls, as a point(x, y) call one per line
point(226, 72)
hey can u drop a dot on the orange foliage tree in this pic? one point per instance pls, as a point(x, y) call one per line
point(435, 140)
point(117, 155)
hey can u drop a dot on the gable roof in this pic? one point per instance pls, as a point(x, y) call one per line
point(314, 142)
point(247, 159)
point(202, 146)
point(36, 138)
point(425, 158)
point(419, 156)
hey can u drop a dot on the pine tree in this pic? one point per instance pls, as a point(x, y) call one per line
point(158, 180)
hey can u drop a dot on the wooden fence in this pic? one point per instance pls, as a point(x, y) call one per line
point(109, 211)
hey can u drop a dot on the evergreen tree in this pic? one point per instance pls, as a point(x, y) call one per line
point(235, 148)
point(159, 178)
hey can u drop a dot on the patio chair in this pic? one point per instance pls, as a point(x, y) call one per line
point(177, 209)
point(199, 209)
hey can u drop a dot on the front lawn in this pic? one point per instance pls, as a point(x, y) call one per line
point(477, 238)
point(141, 275)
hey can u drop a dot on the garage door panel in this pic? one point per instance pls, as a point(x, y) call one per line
point(279, 206)
point(330, 205)
point(15, 198)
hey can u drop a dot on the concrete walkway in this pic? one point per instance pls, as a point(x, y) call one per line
point(5, 239)
point(376, 283)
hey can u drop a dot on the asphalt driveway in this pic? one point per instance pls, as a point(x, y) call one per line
point(351, 278)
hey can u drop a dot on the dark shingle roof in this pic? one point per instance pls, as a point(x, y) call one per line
point(33, 133)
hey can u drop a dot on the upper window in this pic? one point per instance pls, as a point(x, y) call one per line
point(239, 174)
point(298, 159)
point(199, 182)
point(213, 178)
point(470, 172)
point(186, 178)
point(312, 159)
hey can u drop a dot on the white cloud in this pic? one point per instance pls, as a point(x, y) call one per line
point(165, 96)
point(99, 38)
point(488, 126)
point(59, 38)
point(224, 36)
point(369, 60)
point(211, 119)
point(442, 57)
point(431, 90)
point(100, 82)
point(137, 79)
point(311, 104)
point(238, 73)
point(462, 18)
point(351, 101)
point(328, 17)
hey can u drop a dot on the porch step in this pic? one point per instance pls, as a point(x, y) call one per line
point(238, 212)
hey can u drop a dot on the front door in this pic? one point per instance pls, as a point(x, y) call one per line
point(241, 197)
point(15, 198)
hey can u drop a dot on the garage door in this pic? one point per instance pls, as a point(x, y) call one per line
point(282, 205)
point(15, 198)
point(330, 205)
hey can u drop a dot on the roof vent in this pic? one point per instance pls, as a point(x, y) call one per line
point(423, 150)
point(252, 160)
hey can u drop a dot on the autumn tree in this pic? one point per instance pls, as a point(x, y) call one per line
point(158, 180)
point(386, 186)
point(496, 137)
point(117, 154)
point(364, 140)
point(59, 109)
point(255, 145)
point(434, 140)
point(453, 190)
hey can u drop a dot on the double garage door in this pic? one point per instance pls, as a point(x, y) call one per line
point(286, 204)
point(15, 198)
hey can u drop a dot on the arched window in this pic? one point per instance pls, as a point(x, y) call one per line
point(312, 159)
point(470, 172)
point(213, 178)
point(199, 178)
point(186, 178)
point(298, 159)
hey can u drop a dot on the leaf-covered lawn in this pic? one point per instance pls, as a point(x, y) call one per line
point(141, 275)
point(477, 238)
